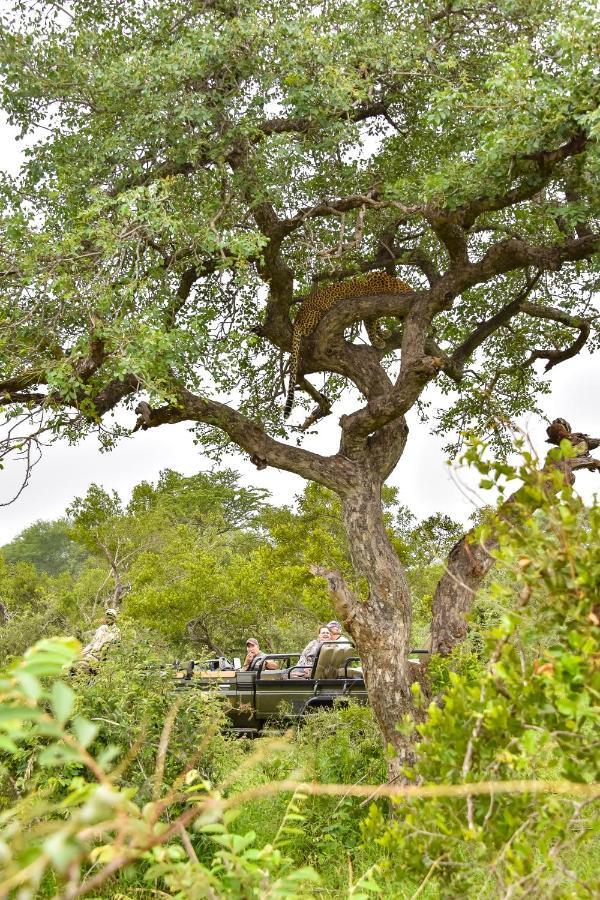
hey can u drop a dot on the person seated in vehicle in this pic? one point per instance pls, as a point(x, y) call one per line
point(254, 657)
point(335, 630)
point(307, 657)
point(93, 653)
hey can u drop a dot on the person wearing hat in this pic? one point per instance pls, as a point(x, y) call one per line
point(106, 634)
point(335, 630)
point(254, 657)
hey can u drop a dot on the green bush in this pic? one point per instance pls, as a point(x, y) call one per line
point(532, 714)
point(72, 833)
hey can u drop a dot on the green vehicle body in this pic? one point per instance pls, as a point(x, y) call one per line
point(287, 694)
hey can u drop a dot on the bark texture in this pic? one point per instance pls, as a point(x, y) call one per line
point(470, 560)
point(380, 626)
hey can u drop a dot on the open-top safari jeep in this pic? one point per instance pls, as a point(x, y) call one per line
point(287, 693)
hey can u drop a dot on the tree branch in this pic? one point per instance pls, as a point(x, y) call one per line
point(322, 409)
point(335, 472)
point(451, 233)
point(465, 350)
point(555, 357)
point(510, 254)
point(302, 124)
point(545, 160)
point(370, 199)
point(346, 604)
point(386, 446)
point(470, 560)
point(388, 254)
point(186, 282)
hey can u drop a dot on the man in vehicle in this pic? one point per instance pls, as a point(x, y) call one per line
point(335, 630)
point(254, 657)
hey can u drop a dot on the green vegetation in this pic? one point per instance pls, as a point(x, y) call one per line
point(195, 168)
point(110, 785)
point(221, 559)
point(192, 170)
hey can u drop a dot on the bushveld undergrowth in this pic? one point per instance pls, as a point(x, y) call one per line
point(109, 789)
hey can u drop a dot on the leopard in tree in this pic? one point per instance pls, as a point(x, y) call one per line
point(315, 305)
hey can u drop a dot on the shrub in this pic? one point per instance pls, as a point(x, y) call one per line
point(533, 714)
point(74, 832)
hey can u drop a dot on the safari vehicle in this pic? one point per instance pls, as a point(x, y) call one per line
point(289, 692)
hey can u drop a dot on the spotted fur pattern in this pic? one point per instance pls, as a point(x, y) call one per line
point(314, 307)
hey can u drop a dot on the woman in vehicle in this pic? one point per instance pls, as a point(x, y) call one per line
point(309, 653)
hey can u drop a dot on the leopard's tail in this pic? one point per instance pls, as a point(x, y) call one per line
point(294, 363)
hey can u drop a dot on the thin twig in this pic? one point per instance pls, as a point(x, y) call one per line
point(163, 745)
point(432, 869)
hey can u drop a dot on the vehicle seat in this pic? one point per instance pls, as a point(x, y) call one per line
point(331, 658)
point(273, 674)
point(352, 673)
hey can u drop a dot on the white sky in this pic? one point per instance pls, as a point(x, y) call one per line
point(427, 484)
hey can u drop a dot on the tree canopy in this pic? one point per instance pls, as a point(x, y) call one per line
point(195, 167)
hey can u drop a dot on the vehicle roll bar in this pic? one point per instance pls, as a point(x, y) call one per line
point(349, 660)
point(300, 669)
point(269, 656)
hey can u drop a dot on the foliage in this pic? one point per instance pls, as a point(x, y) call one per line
point(223, 561)
point(179, 542)
point(532, 712)
point(31, 613)
point(193, 169)
point(47, 546)
point(97, 826)
point(340, 745)
point(97, 771)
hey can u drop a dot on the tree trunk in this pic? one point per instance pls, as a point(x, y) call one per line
point(470, 559)
point(468, 564)
point(381, 625)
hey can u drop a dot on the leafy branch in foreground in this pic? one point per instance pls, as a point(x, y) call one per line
point(96, 829)
point(505, 765)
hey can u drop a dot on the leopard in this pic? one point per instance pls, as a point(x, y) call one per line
point(316, 304)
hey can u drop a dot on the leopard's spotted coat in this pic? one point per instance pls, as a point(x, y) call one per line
point(314, 307)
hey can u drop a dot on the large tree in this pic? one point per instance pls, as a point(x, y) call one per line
point(194, 168)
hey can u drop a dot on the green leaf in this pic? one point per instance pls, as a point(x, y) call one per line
point(63, 701)
point(30, 685)
point(107, 755)
point(61, 849)
point(18, 713)
point(50, 656)
point(58, 755)
point(84, 730)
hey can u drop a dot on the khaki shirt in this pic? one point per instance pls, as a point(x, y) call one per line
point(105, 635)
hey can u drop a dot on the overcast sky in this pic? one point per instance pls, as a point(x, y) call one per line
point(427, 484)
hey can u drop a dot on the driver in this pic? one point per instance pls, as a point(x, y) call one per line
point(254, 657)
